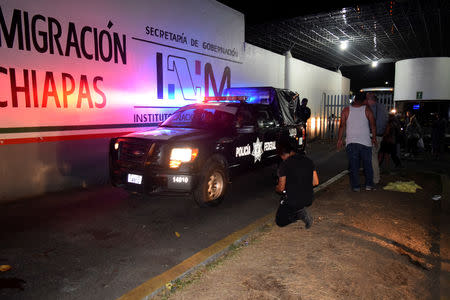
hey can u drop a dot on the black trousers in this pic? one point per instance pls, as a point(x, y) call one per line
point(388, 148)
point(287, 215)
point(412, 145)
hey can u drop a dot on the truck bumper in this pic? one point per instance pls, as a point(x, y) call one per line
point(151, 183)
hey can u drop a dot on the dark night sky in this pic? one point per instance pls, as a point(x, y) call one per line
point(365, 76)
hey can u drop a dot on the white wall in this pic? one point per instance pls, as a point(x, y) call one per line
point(430, 75)
point(260, 68)
point(312, 82)
point(59, 139)
point(345, 88)
point(265, 68)
point(69, 93)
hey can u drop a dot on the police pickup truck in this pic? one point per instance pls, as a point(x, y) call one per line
point(201, 146)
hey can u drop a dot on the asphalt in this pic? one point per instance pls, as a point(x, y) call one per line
point(101, 242)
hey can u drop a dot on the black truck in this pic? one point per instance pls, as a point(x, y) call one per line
point(201, 146)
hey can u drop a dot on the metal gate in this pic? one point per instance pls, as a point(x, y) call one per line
point(331, 109)
point(387, 100)
point(331, 114)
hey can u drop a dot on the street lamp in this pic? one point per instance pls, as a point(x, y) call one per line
point(344, 45)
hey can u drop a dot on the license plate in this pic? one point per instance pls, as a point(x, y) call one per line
point(133, 178)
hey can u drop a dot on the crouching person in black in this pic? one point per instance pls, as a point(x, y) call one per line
point(297, 176)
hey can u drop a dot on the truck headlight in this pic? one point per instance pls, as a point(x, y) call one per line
point(182, 155)
point(116, 146)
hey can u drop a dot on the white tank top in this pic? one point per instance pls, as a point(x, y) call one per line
point(357, 129)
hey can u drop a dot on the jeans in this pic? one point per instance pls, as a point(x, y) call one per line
point(357, 153)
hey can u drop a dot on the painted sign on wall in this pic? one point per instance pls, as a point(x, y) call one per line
point(65, 67)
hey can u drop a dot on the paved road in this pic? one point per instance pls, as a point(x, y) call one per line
point(99, 243)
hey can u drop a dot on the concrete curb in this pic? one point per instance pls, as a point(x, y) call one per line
point(157, 284)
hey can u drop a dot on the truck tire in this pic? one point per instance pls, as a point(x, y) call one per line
point(213, 183)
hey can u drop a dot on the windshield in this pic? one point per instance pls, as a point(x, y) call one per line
point(201, 118)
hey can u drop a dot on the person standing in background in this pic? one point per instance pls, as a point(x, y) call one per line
point(389, 142)
point(380, 115)
point(413, 135)
point(303, 112)
point(355, 120)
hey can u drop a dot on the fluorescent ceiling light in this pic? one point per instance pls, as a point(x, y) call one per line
point(374, 64)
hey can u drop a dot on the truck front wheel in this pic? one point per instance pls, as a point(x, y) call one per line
point(212, 186)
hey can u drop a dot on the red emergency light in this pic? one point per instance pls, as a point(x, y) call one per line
point(225, 99)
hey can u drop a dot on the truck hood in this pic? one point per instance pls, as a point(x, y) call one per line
point(167, 133)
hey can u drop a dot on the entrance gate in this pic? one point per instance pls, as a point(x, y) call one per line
point(331, 110)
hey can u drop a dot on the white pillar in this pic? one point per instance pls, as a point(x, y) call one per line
point(288, 84)
point(424, 78)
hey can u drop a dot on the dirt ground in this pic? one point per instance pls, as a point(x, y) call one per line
point(367, 245)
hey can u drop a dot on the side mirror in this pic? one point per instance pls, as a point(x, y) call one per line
point(246, 129)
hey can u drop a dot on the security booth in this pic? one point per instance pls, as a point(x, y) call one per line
point(422, 90)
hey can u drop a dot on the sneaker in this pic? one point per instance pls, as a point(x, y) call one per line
point(356, 189)
point(370, 188)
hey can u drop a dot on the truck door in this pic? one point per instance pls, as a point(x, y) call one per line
point(268, 131)
point(245, 153)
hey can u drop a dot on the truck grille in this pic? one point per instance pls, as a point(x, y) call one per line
point(134, 153)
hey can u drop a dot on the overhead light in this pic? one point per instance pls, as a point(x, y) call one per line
point(374, 64)
point(386, 83)
point(344, 45)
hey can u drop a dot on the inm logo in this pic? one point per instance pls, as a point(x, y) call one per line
point(190, 84)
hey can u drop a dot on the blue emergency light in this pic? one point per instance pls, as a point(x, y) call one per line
point(226, 99)
point(254, 95)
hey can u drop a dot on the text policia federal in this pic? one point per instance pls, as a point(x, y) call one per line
point(44, 35)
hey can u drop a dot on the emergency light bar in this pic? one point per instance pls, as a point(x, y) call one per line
point(225, 99)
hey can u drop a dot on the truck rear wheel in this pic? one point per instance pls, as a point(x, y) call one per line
point(212, 186)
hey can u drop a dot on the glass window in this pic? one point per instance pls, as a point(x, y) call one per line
point(244, 118)
point(265, 119)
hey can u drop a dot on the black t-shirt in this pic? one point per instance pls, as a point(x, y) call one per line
point(298, 170)
point(303, 113)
